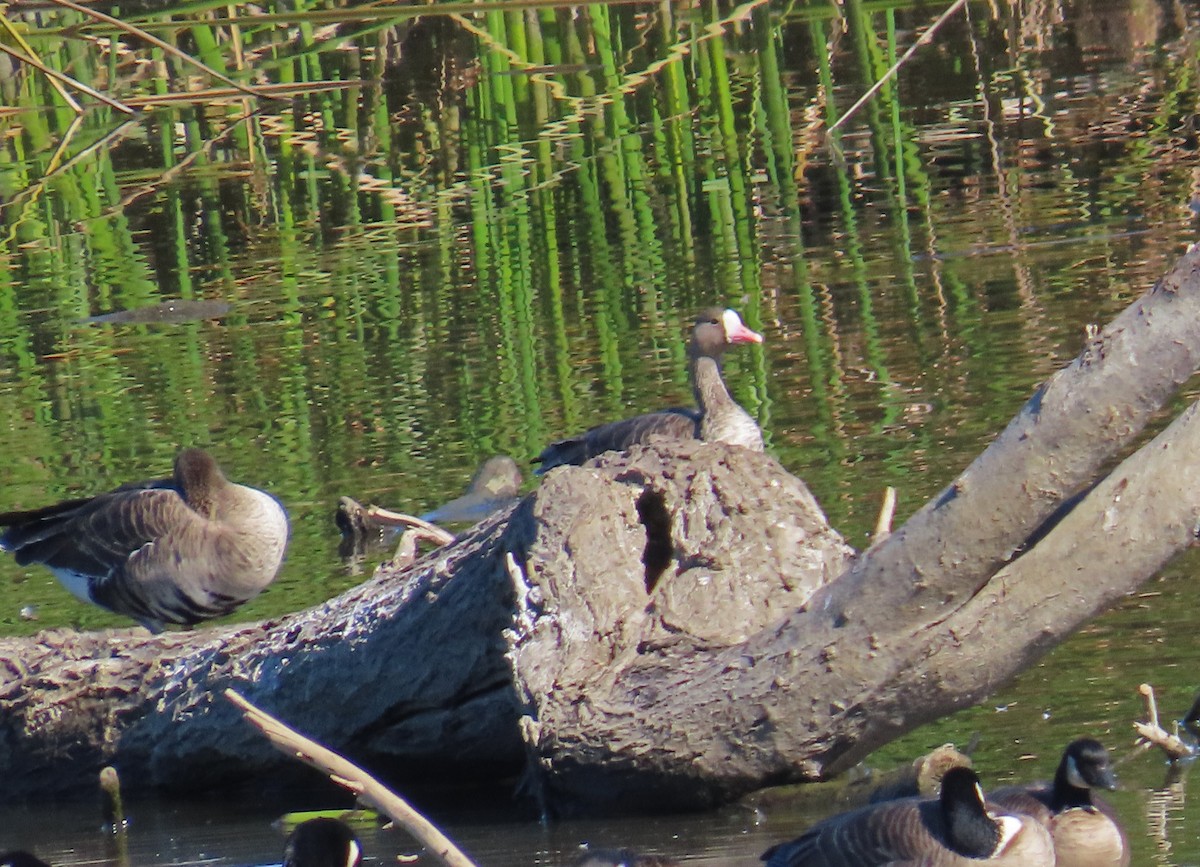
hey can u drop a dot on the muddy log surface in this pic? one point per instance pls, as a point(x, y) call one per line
point(679, 624)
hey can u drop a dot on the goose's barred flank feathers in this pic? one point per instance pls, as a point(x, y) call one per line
point(956, 830)
point(177, 550)
point(1084, 829)
point(716, 417)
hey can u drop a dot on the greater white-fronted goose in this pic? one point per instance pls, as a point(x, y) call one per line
point(956, 830)
point(716, 416)
point(322, 842)
point(177, 550)
point(1085, 830)
point(494, 486)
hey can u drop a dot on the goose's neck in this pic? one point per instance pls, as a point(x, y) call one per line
point(971, 832)
point(708, 385)
point(1066, 793)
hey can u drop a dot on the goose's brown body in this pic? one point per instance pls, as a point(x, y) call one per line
point(716, 417)
point(177, 550)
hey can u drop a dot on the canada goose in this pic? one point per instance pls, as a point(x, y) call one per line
point(956, 830)
point(716, 417)
point(1085, 832)
point(177, 550)
point(322, 842)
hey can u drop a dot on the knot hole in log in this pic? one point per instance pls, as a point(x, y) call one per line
point(653, 515)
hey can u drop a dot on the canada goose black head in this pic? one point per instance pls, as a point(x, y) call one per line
point(1084, 766)
point(1085, 830)
point(970, 830)
point(322, 842)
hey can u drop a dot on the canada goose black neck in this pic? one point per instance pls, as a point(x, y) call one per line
point(1084, 766)
point(970, 831)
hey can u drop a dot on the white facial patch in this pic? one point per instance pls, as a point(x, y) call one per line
point(733, 322)
point(1073, 776)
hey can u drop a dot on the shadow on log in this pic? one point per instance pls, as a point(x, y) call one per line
point(680, 626)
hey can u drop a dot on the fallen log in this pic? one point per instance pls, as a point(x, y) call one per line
point(670, 627)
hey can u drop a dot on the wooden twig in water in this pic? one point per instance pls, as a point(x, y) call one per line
point(427, 531)
point(345, 773)
point(883, 524)
point(1153, 734)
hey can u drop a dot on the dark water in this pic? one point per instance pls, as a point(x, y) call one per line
point(499, 239)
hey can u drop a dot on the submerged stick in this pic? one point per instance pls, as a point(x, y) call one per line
point(887, 511)
point(1155, 735)
point(348, 775)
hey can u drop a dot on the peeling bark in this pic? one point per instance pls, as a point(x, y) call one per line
point(682, 625)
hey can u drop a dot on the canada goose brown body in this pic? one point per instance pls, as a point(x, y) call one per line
point(1085, 830)
point(956, 830)
point(177, 550)
point(322, 842)
point(716, 417)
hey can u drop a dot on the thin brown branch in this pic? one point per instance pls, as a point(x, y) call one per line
point(348, 775)
point(15, 35)
point(55, 75)
point(159, 43)
point(1155, 735)
point(428, 531)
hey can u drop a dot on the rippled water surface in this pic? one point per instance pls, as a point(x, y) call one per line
point(495, 233)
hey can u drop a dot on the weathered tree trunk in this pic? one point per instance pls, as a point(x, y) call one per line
point(681, 625)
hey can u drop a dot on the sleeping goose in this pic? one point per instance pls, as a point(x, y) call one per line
point(956, 830)
point(177, 550)
point(322, 842)
point(716, 417)
point(1085, 832)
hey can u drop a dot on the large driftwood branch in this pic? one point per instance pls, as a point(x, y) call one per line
point(675, 631)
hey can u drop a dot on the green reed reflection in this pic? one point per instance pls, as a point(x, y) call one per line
point(494, 231)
